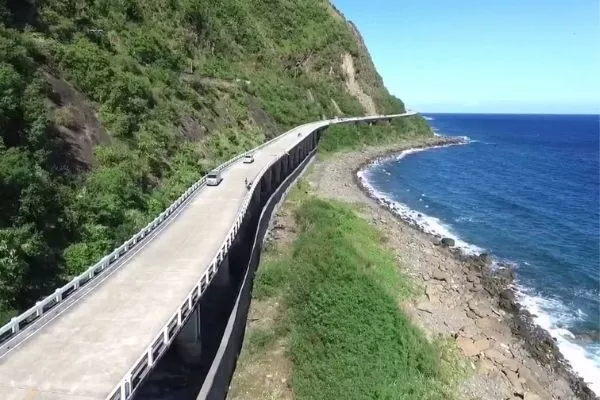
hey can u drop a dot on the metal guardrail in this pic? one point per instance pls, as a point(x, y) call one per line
point(125, 388)
point(160, 344)
point(129, 383)
point(22, 321)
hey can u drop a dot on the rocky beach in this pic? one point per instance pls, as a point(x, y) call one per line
point(466, 298)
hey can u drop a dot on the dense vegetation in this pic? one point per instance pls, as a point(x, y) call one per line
point(348, 337)
point(109, 109)
point(350, 137)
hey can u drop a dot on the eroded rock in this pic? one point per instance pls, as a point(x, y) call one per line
point(439, 275)
point(447, 242)
point(513, 378)
point(467, 346)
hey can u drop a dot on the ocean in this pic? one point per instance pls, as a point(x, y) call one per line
point(525, 189)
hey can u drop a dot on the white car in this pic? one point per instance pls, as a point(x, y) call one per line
point(214, 178)
point(248, 159)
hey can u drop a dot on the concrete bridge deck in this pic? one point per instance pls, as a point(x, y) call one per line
point(85, 350)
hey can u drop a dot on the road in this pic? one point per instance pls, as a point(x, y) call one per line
point(85, 350)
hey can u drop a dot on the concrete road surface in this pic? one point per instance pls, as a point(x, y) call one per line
point(84, 351)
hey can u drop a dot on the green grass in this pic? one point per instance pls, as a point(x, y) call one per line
point(347, 137)
point(258, 339)
point(349, 337)
point(164, 78)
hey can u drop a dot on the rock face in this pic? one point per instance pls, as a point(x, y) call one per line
point(448, 242)
point(507, 301)
point(439, 275)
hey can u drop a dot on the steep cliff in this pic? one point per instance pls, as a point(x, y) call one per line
point(109, 109)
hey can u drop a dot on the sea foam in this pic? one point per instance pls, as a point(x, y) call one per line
point(548, 314)
point(426, 223)
point(552, 315)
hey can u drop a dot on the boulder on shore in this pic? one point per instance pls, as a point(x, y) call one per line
point(448, 242)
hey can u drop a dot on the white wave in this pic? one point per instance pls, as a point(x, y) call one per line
point(424, 222)
point(401, 155)
point(552, 315)
point(428, 118)
point(465, 219)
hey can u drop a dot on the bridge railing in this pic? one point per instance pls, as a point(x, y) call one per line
point(44, 306)
point(161, 342)
point(163, 339)
point(125, 388)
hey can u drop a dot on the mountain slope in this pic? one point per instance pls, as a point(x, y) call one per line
point(109, 109)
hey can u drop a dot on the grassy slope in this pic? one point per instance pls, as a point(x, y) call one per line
point(179, 86)
point(347, 336)
point(348, 137)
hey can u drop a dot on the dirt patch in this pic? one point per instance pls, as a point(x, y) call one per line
point(353, 86)
point(264, 368)
point(454, 301)
point(77, 121)
point(261, 118)
point(282, 231)
point(192, 129)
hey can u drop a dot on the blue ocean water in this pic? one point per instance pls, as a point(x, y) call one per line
point(526, 190)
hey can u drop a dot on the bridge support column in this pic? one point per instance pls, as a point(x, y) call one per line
point(189, 345)
point(285, 162)
point(223, 276)
point(277, 173)
point(266, 187)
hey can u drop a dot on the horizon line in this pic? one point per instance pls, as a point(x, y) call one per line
point(505, 113)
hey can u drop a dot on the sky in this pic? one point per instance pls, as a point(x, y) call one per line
point(509, 56)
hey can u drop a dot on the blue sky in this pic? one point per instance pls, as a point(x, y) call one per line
point(522, 56)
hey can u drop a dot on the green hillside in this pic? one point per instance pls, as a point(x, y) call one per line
point(109, 109)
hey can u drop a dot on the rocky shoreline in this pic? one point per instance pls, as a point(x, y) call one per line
point(466, 297)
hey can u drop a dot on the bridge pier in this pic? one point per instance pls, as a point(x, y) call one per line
point(290, 159)
point(188, 341)
point(265, 187)
point(223, 276)
point(277, 177)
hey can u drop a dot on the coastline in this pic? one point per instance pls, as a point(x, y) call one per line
point(506, 344)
